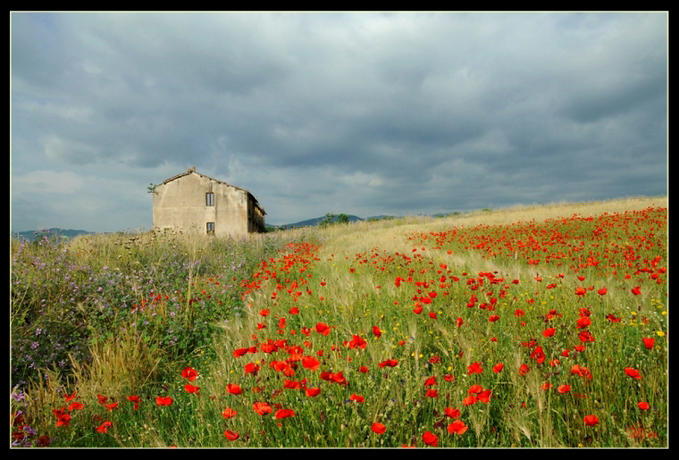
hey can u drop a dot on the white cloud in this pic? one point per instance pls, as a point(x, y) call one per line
point(79, 114)
point(69, 151)
point(45, 183)
point(360, 179)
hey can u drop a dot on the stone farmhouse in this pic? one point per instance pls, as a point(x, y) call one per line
point(195, 203)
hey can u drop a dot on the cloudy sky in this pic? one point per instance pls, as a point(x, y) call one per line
point(397, 113)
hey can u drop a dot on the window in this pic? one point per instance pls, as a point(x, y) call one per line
point(210, 227)
point(209, 199)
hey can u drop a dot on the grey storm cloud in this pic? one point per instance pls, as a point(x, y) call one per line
point(363, 113)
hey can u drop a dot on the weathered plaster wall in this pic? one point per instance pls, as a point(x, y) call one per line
point(180, 204)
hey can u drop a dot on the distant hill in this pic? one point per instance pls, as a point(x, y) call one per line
point(315, 221)
point(32, 235)
point(381, 217)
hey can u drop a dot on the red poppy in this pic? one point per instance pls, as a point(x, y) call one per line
point(164, 401)
point(231, 435)
point(363, 369)
point(452, 412)
point(251, 368)
point(484, 396)
point(582, 371)
point(102, 399)
point(602, 291)
point(311, 392)
point(583, 321)
point(580, 291)
point(356, 342)
point(612, 318)
point(75, 405)
point(648, 342)
point(563, 388)
point(71, 397)
point(470, 400)
point(389, 363)
point(357, 398)
point(229, 413)
point(432, 393)
point(262, 408)
point(636, 290)
point(189, 374)
point(493, 318)
point(457, 427)
point(549, 332)
point(63, 419)
point(498, 367)
point(322, 328)
point(474, 368)
point(591, 420)
point(292, 385)
point(337, 377)
point(643, 405)
point(279, 366)
point(378, 428)
point(111, 406)
point(523, 369)
point(538, 354)
point(238, 352)
point(233, 389)
point(430, 439)
point(134, 399)
point(586, 337)
point(474, 389)
point(103, 428)
point(191, 388)
point(635, 374)
point(376, 331)
point(284, 413)
point(294, 311)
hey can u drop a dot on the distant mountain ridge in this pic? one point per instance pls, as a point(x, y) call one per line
point(317, 220)
point(31, 235)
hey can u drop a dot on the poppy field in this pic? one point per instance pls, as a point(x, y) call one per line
point(428, 334)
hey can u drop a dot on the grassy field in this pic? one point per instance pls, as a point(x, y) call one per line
point(541, 326)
